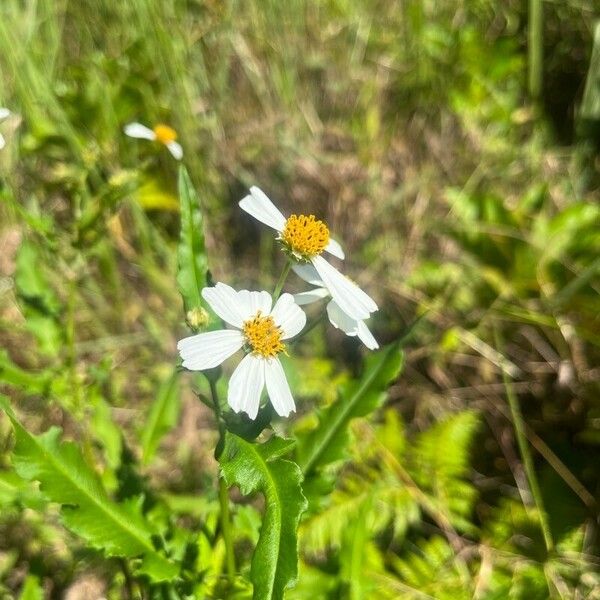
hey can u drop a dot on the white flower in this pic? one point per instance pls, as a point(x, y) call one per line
point(4, 114)
point(260, 328)
point(161, 133)
point(337, 317)
point(305, 238)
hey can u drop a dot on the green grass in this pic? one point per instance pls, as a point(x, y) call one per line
point(409, 128)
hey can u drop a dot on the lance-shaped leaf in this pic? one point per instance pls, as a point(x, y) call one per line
point(162, 417)
point(358, 398)
point(191, 252)
point(65, 478)
point(260, 468)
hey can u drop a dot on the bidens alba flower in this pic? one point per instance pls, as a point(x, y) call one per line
point(337, 317)
point(162, 134)
point(306, 238)
point(4, 114)
point(260, 328)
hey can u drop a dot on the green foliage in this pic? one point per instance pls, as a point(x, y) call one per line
point(440, 462)
point(192, 263)
point(32, 590)
point(327, 442)
point(66, 478)
point(261, 468)
point(162, 417)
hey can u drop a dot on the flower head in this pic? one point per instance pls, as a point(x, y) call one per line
point(163, 134)
point(261, 329)
point(337, 317)
point(4, 114)
point(305, 238)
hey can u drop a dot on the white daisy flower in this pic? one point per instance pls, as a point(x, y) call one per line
point(161, 133)
point(4, 114)
point(337, 317)
point(261, 329)
point(305, 238)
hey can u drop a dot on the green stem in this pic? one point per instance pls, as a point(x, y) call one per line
point(223, 494)
point(535, 48)
point(318, 320)
point(282, 278)
point(526, 458)
point(226, 529)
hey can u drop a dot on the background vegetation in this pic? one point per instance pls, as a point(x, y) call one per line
point(466, 195)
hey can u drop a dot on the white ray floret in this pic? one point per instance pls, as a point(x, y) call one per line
point(161, 133)
point(349, 297)
point(337, 317)
point(260, 328)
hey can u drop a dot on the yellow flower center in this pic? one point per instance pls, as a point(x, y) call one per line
point(305, 235)
point(164, 134)
point(263, 336)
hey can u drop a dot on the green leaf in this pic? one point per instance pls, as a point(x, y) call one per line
point(260, 468)
point(163, 416)
point(65, 478)
point(31, 590)
point(327, 442)
point(440, 462)
point(192, 264)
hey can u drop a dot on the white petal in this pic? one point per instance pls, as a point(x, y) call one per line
point(208, 350)
point(366, 337)
point(137, 130)
point(4, 113)
point(308, 273)
point(246, 385)
point(311, 296)
point(261, 208)
point(278, 388)
point(289, 316)
point(2, 141)
point(334, 248)
point(225, 302)
point(350, 298)
point(254, 302)
point(176, 150)
point(340, 320)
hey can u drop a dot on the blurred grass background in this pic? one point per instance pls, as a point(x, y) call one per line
point(465, 191)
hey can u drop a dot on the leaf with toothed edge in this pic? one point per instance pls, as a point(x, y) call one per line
point(261, 468)
point(86, 509)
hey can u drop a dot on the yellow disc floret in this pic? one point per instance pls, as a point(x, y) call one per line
point(305, 235)
point(263, 336)
point(164, 134)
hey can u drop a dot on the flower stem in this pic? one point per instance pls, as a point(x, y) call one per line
point(226, 529)
point(526, 458)
point(223, 494)
point(282, 278)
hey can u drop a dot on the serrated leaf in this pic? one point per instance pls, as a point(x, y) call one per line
point(327, 442)
point(260, 468)
point(65, 478)
point(440, 460)
point(192, 264)
point(163, 416)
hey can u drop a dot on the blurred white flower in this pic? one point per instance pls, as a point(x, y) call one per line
point(261, 329)
point(305, 238)
point(161, 133)
point(337, 317)
point(4, 114)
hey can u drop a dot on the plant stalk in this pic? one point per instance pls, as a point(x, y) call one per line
point(225, 514)
point(526, 458)
point(535, 49)
point(281, 280)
